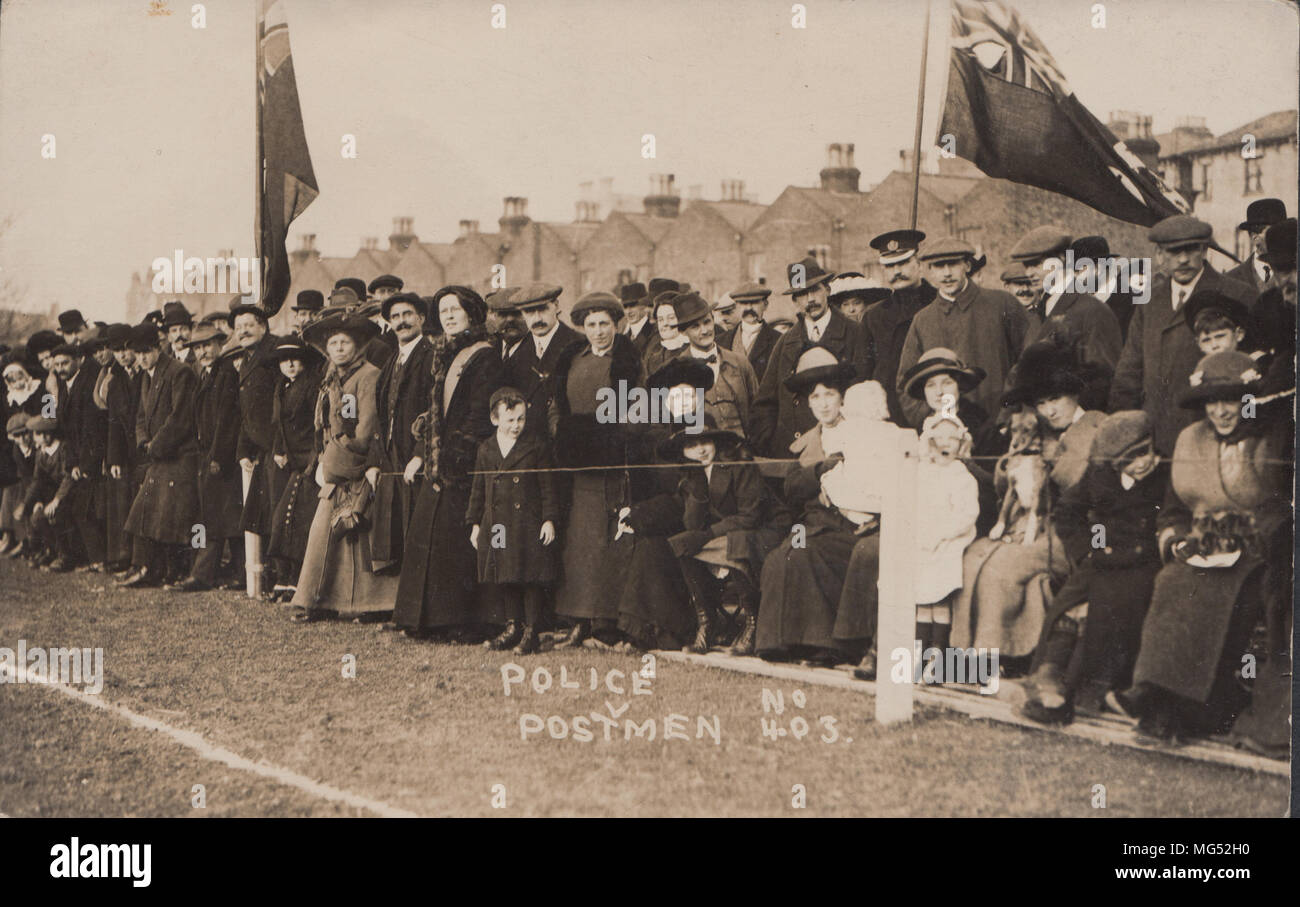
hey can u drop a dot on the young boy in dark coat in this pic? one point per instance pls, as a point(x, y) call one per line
point(731, 524)
point(24, 461)
point(512, 520)
point(216, 422)
point(1107, 524)
point(51, 481)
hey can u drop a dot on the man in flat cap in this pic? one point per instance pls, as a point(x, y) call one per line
point(726, 319)
point(258, 378)
point(383, 286)
point(886, 325)
point(636, 312)
point(1017, 282)
point(1065, 313)
point(1160, 353)
point(85, 432)
point(305, 307)
point(986, 328)
point(531, 368)
point(177, 324)
point(1261, 214)
point(734, 383)
point(753, 337)
point(504, 323)
point(779, 415)
point(393, 461)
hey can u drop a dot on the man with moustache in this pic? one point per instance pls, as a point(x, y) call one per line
point(886, 324)
point(393, 463)
point(1065, 312)
point(726, 318)
point(734, 383)
point(531, 367)
point(72, 326)
point(985, 328)
point(1255, 272)
point(84, 428)
point(753, 337)
point(177, 324)
point(1160, 353)
point(504, 322)
point(1019, 284)
point(125, 471)
point(305, 307)
point(216, 425)
point(257, 383)
point(636, 314)
point(779, 415)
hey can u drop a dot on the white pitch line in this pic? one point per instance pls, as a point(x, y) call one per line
point(214, 753)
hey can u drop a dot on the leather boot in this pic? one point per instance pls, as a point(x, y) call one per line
point(581, 630)
point(744, 644)
point(508, 638)
point(866, 669)
point(702, 626)
point(528, 641)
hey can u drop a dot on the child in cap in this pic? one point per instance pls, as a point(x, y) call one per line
point(1107, 525)
point(511, 517)
point(1218, 322)
point(51, 481)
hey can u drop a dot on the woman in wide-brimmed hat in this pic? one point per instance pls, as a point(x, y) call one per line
point(22, 381)
point(801, 584)
point(668, 341)
point(1230, 493)
point(438, 589)
point(336, 576)
point(1007, 587)
point(293, 454)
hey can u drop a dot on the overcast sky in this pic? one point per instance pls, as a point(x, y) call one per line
point(152, 118)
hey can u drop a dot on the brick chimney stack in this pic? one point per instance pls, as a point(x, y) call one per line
point(515, 216)
point(306, 249)
point(733, 190)
point(663, 200)
point(839, 174)
point(403, 234)
point(468, 228)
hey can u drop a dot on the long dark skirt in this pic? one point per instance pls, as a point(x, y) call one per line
point(394, 503)
point(595, 566)
point(221, 504)
point(294, 512)
point(655, 606)
point(336, 573)
point(438, 586)
point(801, 587)
point(855, 620)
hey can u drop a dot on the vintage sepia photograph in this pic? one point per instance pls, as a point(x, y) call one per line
point(628, 409)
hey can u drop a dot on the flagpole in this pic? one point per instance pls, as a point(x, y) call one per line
point(920, 115)
point(253, 541)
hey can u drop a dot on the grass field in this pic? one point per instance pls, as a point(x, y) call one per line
point(429, 729)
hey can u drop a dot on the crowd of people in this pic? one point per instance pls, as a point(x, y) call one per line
point(1103, 484)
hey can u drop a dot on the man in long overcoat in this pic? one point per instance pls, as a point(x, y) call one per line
point(85, 431)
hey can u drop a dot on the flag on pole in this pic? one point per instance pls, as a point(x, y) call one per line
point(1011, 112)
point(286, 181)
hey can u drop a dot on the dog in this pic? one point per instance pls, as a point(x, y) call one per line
point(1026, 476)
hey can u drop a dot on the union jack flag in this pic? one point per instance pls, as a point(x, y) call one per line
point(994, 33)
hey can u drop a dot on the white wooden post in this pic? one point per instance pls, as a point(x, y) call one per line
point(252, 547)
point(896, 614)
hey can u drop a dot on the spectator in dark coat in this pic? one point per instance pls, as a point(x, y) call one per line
point(393, 465)
point(84, 427)
point(216, 421)
point(530, 369)
point(125, 472)
point(886, 323)
point(437, 589)
point(779, 415)
point(42, 504)
point(165, 508)
point(256, 406)
point(294, 454)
